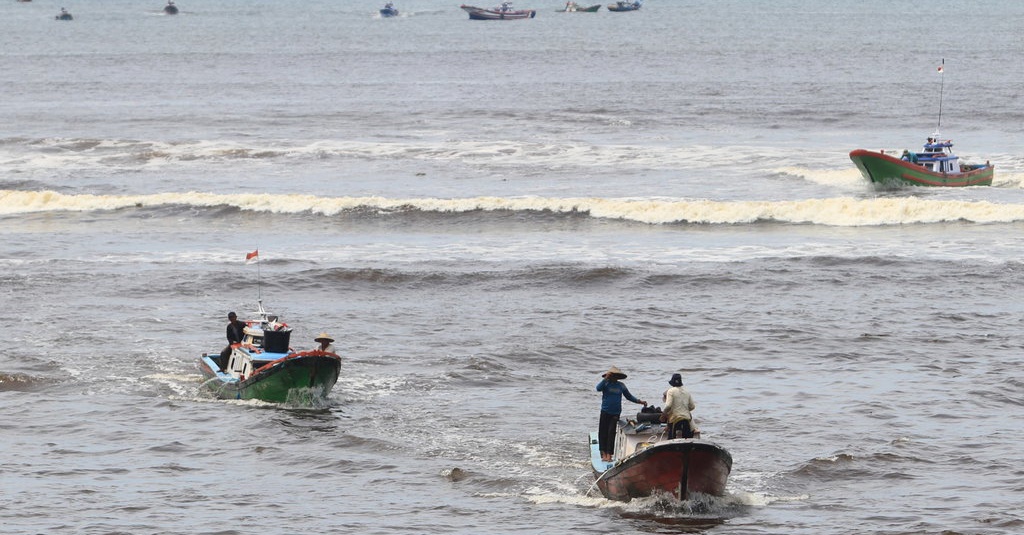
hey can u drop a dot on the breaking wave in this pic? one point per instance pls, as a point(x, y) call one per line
point(838, 211)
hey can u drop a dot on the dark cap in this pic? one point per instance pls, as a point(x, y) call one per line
point(676, 380)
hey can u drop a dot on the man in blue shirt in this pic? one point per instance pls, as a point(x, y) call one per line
point(612, 391)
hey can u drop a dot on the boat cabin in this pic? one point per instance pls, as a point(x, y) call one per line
point(259, 346)
point(937, 157)
point(267, 341)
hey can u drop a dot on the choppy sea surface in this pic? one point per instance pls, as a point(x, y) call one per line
point(486, 216)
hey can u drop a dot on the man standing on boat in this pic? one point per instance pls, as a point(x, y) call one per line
point(612, 392)
point(678, 404)
point(235, 332)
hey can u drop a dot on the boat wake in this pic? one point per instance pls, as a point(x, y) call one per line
point(308, 398)
point(699, 507)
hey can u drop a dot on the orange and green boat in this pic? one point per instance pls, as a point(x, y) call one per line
point(936, 165)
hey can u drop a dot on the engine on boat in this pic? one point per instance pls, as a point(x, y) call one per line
point(651, 415)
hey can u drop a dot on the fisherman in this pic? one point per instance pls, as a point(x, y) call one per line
point(612, 392)
point(678, 404)
point(235, 332)
point(326, 343)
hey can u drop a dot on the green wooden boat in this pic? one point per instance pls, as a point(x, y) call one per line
point(935, 166)
point(264, 367)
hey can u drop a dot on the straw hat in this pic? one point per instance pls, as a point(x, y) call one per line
point(324, 337)
point(614, 373)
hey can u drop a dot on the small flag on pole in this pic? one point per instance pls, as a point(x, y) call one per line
point(942, 66)
point(940, 69)
point(252, 257)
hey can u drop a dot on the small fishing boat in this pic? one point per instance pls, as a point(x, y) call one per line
point(625, 6)
point(936, 165)
point(64, 15)
point(573, 7)
point(646, 462)
point(503, 12)
point(264, 367)
point(389, 10)
point(170, 8)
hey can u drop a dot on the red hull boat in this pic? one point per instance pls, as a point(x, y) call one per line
point(937, 166)
point(646, 463)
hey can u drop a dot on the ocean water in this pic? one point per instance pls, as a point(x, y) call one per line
point(486, 216)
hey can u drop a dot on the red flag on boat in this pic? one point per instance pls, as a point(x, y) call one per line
point(252, 257)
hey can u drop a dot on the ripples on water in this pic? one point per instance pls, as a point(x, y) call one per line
point(843, 392)
point(627, 189)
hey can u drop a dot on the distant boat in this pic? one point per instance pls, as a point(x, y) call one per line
point(573, 7)
point(936, 165)
point(645, 463)
point(389, 10)
point(64, 15)
point(170, 8)
point(625, 6)
point(503, 12)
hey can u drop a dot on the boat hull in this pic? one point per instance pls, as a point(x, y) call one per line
point(386, 12)
point(623, 7)
point(887, 170)
point(477, 13)
point(282, 380)
point(679, 467)
point(580, 9)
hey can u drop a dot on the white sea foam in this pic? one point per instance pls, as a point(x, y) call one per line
point(838, 211)
point(58, 153)
point(847, 178)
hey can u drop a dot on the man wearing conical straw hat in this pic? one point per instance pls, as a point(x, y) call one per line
point(612, 391)
point(326, 342)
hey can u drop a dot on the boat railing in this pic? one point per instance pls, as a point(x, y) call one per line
point(934, 157)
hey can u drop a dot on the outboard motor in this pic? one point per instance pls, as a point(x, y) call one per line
point(651, 415)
